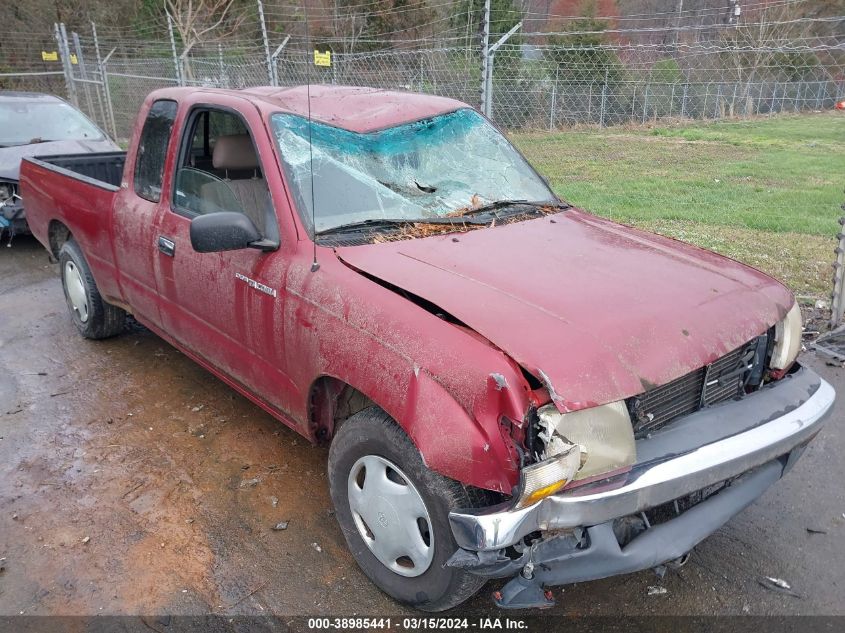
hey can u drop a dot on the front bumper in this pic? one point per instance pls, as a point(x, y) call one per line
point(662, 479)
point(750, 442)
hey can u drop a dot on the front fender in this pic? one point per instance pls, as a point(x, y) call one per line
point(446, 387)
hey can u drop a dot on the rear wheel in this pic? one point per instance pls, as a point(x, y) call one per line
point(394, 513)
point(92, 316)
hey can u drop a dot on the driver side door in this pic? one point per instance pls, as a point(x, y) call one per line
point(216, 304)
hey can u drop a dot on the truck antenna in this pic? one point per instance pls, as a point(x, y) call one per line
point(315, 266)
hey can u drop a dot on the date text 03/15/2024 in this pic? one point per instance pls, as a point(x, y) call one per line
point(415, 624)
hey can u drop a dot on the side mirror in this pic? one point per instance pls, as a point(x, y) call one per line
point(223, 231)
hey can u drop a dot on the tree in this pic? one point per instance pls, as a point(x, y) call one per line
point(353, 25)
point(202, 21)
point(763, 48)
point(581, 53)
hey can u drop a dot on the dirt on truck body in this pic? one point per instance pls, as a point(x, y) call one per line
point(510, 401)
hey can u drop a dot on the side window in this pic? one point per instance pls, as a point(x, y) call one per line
point(152, 150)
point(219, 169)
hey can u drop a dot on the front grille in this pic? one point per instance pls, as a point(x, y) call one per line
point(722, 380)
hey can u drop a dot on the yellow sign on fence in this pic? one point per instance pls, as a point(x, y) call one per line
point(53, 56)
point(322, 59)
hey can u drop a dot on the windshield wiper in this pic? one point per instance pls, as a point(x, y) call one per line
point(379, 223)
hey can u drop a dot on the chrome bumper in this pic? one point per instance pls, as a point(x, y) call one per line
point(650, 484)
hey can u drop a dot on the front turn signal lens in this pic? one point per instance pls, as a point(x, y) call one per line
point(544, 479)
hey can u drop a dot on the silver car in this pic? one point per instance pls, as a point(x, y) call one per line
point(34, 124)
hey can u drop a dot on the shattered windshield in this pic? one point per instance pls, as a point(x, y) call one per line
point(417, 171)
point(26, 122)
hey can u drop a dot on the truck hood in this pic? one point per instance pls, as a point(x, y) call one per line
point(10, 157)
point(597, 311)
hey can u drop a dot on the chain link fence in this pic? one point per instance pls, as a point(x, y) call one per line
point(584, 115)
point(533, 84)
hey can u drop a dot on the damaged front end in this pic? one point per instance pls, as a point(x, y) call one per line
point(12, 220)
point(606, 501)
point(654, 538)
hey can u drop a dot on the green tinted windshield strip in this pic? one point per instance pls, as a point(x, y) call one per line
point(394, 140)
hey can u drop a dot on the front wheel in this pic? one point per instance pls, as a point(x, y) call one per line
point(92, 316)
point(394, 513)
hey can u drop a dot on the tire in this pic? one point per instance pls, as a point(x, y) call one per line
point(92, 316)
point(372, 439)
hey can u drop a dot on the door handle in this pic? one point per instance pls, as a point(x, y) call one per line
point(166, 246)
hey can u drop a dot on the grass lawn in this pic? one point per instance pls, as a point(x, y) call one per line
point(767, 192)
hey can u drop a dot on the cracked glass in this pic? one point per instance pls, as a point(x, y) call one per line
point(422, 170)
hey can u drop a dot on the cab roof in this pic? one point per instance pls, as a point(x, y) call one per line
point(352, 108)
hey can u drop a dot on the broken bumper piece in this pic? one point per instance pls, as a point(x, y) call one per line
point(603, 529)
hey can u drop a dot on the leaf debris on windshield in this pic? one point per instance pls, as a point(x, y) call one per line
point(421, 229)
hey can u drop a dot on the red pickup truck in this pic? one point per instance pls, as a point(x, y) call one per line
point(510, 387)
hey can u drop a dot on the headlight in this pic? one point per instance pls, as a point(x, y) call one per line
point(604, 433)
point(787, 340)
point(539, 481)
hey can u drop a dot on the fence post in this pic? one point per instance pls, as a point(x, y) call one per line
point(266, 42)
point(684, 101)
point(672, 101)
point(634, 103)
point(554, 99)
point(603, 98)
point(491, 58)
point(101, 91)
point(733, 101)
point(590, 105)
point(67, 67)
point(718, 101)
point(274, 58)
point(177, 69)
point(107, 90)
point(645, 102)
point(221, 69)
point(837, 297)
point(485, 57)
point(101, 67)
point(80, 60)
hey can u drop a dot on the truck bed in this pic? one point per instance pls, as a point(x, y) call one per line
point(103, 169)
point(76, 192)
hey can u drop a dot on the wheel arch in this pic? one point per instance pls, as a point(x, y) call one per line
point(57, 234)
point(449, 440)
point(330, 402)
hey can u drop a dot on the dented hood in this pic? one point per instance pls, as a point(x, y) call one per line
point(600, 311)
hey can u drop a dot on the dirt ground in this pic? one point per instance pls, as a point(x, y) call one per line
point(134, 482)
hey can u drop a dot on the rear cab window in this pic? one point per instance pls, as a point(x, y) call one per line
point(152, 149)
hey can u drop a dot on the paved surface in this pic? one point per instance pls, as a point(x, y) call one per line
point(132, 481)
